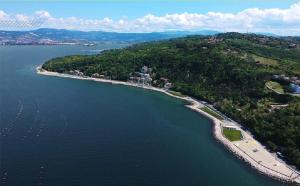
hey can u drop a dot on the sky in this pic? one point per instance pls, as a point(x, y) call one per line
point(281, 17)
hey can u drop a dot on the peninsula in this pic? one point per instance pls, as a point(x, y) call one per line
point(231, 73)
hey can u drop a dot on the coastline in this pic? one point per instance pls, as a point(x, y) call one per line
point(263, 161)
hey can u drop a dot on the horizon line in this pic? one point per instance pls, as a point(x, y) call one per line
point(171, 31)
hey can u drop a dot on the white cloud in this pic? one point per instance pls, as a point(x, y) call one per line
point(3, 15)
point(279, 21)
point(42, 14)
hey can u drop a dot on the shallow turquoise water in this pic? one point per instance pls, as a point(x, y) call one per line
point(58, 131)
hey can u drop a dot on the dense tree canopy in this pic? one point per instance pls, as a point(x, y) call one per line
point(229, 70)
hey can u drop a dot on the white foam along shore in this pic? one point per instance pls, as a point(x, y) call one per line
point(248, 149)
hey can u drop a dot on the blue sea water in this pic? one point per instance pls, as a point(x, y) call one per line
point(58, 131)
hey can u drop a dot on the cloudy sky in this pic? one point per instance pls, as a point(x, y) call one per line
point(272, 16)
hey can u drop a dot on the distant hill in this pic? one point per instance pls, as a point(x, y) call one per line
point(48, 36)
point(56, 36)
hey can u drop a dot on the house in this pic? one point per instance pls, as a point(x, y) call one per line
point(143, 77)
point(165, 80)
point(96, 75)
point(168, 85)
point(228, 125)
point(146, 70)
point(282, 77)
point(295, 88)
point(294, 78)
point(76, 73)
point(292, 45)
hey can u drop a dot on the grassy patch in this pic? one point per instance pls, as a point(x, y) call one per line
point(232, 135)
point(176, 93)
point(265, 61)
point(212, 113)
point(275, 87)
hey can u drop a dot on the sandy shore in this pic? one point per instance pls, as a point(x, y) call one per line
point(248, 149)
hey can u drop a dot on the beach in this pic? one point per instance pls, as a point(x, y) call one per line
point(261, 159)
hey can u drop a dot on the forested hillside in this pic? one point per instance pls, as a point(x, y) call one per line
point(228, 70)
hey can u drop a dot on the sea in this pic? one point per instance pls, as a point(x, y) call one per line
point(67, 132)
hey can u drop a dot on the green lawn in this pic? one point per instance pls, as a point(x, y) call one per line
point(232, 135)
point(212, 113)
point(265, 61)
point(275, 87)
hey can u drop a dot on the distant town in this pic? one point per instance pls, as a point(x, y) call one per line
point(34, 39)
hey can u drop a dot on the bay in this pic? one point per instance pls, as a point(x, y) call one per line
point(58, 131)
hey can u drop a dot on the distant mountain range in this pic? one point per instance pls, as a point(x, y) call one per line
point(46, 36)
